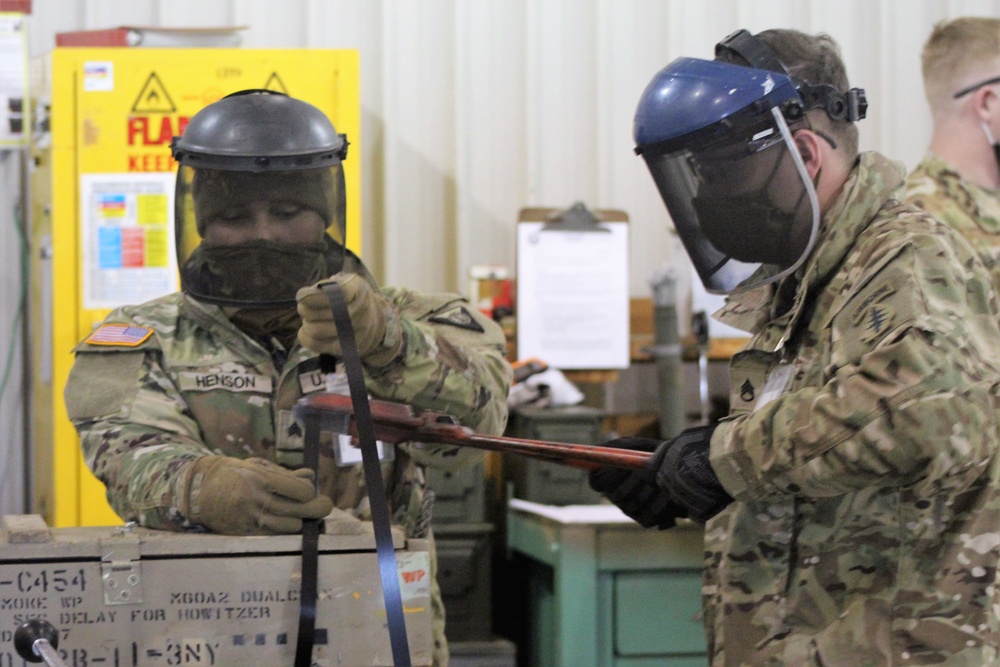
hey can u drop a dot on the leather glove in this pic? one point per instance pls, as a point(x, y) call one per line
point(377, 328)
point(682, 468)
point(636, 492)
point(250, 496)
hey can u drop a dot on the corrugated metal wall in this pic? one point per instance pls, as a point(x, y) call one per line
point(473, 109)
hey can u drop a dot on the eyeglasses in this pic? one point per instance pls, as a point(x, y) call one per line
point(966, 91)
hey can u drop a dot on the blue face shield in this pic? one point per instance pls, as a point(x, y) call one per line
point(717, 145)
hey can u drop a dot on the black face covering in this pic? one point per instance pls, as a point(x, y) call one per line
point(749, 228)
point(258, 271)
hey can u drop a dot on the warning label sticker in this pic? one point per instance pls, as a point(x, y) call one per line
point(153, 98)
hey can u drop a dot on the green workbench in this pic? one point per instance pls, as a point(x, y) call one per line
point(605, 592)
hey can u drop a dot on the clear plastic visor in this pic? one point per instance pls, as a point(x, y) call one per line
point(254, 239)
point(746, 211)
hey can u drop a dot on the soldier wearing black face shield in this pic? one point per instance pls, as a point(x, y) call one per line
point(850, 495)
point(187, 418)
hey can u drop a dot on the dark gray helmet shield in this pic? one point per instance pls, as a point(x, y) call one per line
point(252, 240)
point(746, 211)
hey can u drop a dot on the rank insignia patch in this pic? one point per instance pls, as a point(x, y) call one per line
point(122, 335)
point(458, 317)
point(876, 322)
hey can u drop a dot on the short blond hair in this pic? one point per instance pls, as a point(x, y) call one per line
point(959, 53)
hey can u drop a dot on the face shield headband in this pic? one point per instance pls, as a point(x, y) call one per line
point(850, 106)
point(746, 210)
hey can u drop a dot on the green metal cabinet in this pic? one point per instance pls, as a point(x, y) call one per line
point(605, 592)
point(544, 481)
point(459, 495)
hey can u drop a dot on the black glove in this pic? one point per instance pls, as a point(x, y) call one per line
point(636, 491)
point(682, 468)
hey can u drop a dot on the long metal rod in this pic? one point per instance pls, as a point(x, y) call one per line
point(578, 456)
point(395, 422)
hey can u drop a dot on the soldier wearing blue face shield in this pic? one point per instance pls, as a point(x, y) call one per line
point(850, 498)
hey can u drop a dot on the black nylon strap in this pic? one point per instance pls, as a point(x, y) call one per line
point(373, 477)
point(310, 554)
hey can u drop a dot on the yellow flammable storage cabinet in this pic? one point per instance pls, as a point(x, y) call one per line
point(103, 192)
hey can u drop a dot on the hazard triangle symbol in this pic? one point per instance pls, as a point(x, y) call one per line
point(275, 84)
point(153, 98)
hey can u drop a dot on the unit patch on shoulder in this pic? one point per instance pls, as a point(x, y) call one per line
point(876, 322)
point(876, 295)
point(457, 317)
point(122, 335)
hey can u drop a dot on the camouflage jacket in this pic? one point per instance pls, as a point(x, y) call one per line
point(861, 449)
point(974, 211)
point(197, 385)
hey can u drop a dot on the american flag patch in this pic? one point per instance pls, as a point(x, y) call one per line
point(119, 334)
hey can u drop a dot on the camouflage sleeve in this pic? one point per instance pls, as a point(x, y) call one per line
point(138, 438)
point(935, 187)
point(454, 361)
point(914, 404)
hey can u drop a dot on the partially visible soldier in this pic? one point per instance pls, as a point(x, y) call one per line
point(852, 495)
point(184, 404)
point(958, 179)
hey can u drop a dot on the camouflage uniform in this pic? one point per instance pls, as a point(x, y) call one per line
point(973, 210)
point(199, 386)
point(862, 450)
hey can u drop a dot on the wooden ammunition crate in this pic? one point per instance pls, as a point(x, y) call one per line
point(123, 597)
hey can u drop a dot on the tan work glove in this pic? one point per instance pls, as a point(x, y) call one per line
point(376, 323)
point(250, 497)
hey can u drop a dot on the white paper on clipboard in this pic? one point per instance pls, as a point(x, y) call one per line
point(572, 295)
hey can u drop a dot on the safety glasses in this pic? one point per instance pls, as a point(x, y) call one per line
point(975, 86)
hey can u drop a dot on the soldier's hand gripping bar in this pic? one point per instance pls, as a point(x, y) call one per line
point(396, 422)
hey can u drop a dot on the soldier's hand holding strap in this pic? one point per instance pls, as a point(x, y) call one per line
point(249, 496)
point(636, 492)
point(377, 328)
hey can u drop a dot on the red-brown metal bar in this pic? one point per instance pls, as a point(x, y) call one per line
point(396, 422)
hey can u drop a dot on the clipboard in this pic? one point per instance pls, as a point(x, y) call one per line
point(573, 287)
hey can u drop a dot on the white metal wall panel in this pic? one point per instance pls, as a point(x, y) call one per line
point(420, 205)
point(562, 55)
point(59, 16)
point(633, 44)
point(348, 24)
point(472, 109)
point(286, 22)
point(490, 115)
point(101, 14)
